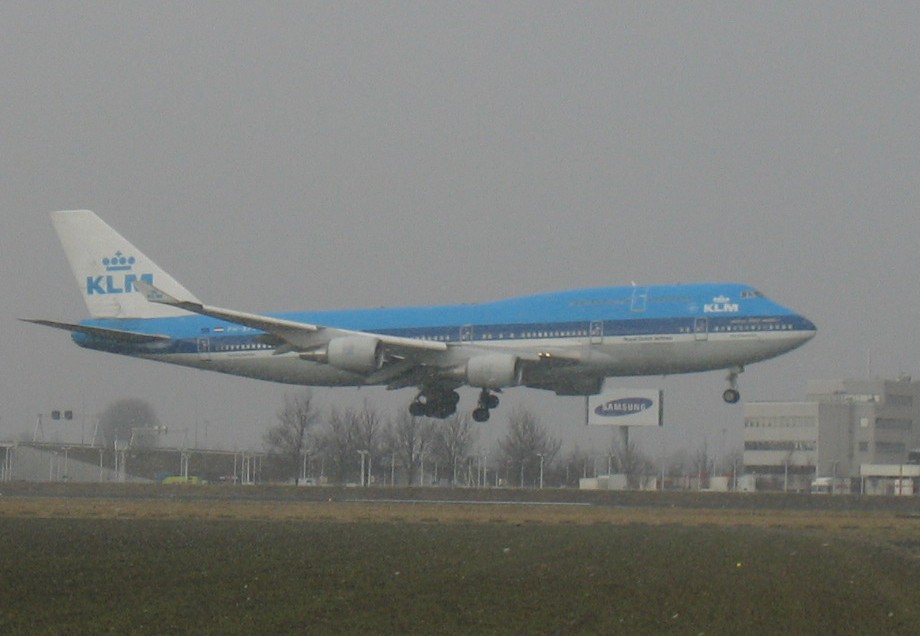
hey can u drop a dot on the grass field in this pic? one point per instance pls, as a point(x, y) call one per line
point(187, 563)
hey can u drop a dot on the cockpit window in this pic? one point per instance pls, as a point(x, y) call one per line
point(751, 293)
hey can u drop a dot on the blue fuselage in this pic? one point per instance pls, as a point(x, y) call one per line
point(613, 331)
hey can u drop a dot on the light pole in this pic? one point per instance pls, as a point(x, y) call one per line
point(120, 458)
point(363, 454)
point(540, 455)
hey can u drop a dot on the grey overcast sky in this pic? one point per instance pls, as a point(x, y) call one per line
point(279, 156)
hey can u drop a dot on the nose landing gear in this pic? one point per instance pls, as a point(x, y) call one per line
point(731, 394)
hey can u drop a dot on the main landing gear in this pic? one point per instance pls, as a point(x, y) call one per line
point(487, 401)
point(731, 394)
point(439, 404)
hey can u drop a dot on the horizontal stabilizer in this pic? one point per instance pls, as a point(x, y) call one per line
point(102, 332)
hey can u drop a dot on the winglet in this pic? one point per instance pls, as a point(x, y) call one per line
point(154, 294)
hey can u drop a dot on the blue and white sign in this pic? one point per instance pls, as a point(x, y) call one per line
point(625, 407)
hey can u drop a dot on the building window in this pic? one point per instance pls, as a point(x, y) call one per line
point(889, 448)
point(797, 445)
point(899, 400)
point(893, 424)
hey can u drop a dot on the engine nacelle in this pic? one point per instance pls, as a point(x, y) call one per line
point(359, 354)
point(493, 371)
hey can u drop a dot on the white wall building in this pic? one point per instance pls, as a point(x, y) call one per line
point(842, 425)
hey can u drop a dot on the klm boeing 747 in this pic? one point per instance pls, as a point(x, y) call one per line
point(567, 342)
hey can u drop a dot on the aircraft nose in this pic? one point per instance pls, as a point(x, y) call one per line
point(807, 328)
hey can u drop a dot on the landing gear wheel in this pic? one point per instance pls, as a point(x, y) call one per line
point(436, 403)
point(487, 401)
point(731, 394)
point(442, 410)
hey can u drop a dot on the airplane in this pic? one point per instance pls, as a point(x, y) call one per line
point(568, 342)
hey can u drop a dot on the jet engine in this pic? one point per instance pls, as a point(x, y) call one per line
point(493, 371)
point(358, 354)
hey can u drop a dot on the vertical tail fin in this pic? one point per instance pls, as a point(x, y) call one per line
point(106, 266)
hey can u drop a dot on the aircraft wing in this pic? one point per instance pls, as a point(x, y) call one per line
point(297, 336)
point(102, 332)
point(407, 361)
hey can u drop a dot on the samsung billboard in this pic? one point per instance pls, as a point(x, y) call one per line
point(626, 407)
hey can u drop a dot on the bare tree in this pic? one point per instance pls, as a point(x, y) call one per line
point(129, 420)
point(679, 467)
point(578, 464)
point(732, 462)
point(702, 465)
point(452, 441)
point(409, 438)
point(630, 461)
point(527, 445)
point(346, 433)
point(369, 428)
point(290, 437)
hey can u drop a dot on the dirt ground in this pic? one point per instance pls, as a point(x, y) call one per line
point(190, 559)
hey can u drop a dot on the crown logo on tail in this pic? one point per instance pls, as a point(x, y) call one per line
point(119, 262)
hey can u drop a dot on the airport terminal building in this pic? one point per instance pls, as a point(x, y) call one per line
point(849, 433)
